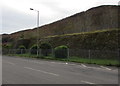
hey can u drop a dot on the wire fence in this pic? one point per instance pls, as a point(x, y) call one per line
point(81, 53)
point(99, 54)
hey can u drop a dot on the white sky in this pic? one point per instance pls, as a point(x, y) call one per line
point(16, 15)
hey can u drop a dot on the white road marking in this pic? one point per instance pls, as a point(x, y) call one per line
point(95, 68)
point(32, 61)
point(87, 82)
point(52, 62)
point(83, 65)
point(41, 71)
point(59, 63)
point(102, 67)
point(66, 63)
point(10, 63)
point(72, 64)
point(105, 68)
point(98, 68)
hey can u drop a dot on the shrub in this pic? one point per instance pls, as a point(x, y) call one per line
point(6, 46)
point(21, 49)
point(45, 49)
point(61, 51)
point(33, 49)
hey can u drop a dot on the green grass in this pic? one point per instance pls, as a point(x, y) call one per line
point(23, 55)
point(95, 61)
point(106, 62)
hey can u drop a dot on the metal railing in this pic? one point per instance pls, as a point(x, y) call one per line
point(81, 53)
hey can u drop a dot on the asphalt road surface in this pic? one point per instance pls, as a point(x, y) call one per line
point(19, 70)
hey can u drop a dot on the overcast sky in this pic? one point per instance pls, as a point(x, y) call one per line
point(16, 16)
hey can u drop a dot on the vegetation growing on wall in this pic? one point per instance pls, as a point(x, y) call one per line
point(6, 46)
point(21, 49)
point(101, 40)
point(33, 49)
point(46, 49)
point(61, 51)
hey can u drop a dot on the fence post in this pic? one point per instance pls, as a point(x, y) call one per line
point(21, 51)
point(89, 51)
point(39, 52)
point(52, 53)
point(8, 51)
point(14, 51)
point(68, 56)
point(29, 51)
point(118, 56)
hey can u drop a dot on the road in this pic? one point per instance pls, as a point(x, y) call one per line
point(18, 70)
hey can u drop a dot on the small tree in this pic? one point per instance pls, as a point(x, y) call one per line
point(33, 49)
point(21, 49)
point(45, 49)
point(61, 51)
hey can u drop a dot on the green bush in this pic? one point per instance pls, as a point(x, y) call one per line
point(21, 49)
point(45, 49)
point(61, 51)
point(6, 46)
point(33, 49)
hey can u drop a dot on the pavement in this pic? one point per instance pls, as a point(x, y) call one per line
point(20, 70)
